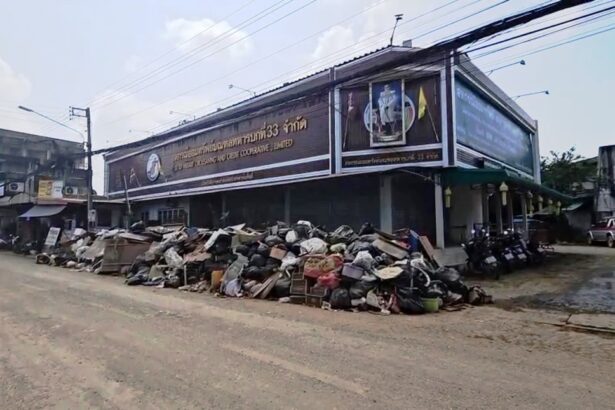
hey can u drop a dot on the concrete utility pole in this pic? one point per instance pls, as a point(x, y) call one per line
point(85, 113)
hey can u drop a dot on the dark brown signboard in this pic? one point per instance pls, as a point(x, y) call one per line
point(281, 139)
point(392, 158)
point(421, 107)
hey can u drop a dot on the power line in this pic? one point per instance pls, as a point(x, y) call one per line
point(215, 52)
point(275, 79)
point(227, 35)
point(174, 49)
point(442, 48)
point(387, 30)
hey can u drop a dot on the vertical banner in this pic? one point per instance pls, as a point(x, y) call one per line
point(389, 114)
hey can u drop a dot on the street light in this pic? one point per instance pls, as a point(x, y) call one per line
point(545, 92)
point(21, 107)
point(520, 62)
point(231, 86)
point(398, 18)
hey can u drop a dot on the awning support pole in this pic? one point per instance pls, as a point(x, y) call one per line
point(485, 200)
point(439, 212)
point(510, 210)
point(526, 233)
point(498, 213)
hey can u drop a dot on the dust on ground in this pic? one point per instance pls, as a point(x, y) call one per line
point(76, 340)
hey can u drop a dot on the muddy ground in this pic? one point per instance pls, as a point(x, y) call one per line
point(76, 340)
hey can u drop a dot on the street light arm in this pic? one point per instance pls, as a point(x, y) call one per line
point(21, 107)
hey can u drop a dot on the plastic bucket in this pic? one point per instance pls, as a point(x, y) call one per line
point(431, 304)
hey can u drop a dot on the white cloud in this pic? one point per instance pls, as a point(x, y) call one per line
point(208, 36)
point(14, 86)
point(336, 39)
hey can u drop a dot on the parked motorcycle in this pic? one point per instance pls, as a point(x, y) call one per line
point(503, 253)
point(480, 256)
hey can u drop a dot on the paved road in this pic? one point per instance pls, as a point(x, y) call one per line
point(76, 340)
point(595, 250)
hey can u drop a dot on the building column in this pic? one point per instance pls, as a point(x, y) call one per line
point(287, 205)
point(526, 233)
point(498, 213)
point(386, 204)
point(510, 213)
point(485, 203)
point(439, 213)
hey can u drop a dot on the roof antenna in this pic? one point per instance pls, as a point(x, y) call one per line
point(398, 18)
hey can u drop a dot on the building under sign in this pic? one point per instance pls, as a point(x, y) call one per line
point(437, 148)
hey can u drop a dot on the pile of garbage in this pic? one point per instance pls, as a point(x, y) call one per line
point(368, 270)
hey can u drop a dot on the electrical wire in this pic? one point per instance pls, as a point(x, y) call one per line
point(227, 98)
point(175, 48)
point(428, 13)
point(217, 40)
point(536, 38)
point(215, 52)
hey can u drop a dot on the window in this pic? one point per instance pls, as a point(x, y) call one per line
point(104, 217)
point(145, 217)
point(173, 216)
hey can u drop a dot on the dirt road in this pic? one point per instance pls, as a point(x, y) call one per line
point(76, 340)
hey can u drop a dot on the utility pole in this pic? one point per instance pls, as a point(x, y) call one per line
point(85, 113)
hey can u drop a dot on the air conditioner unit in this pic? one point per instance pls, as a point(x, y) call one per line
point(70, 190)
point(14, 187)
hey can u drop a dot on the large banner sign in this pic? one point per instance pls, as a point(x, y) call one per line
point(374, 115)
point(291, 140)
point(483, 127)
point(381, 123)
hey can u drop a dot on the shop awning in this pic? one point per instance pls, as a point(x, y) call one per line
point(41, 211)
point(462, 176)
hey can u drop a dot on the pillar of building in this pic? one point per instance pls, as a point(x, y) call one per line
point(439, 212)
point(386, 204)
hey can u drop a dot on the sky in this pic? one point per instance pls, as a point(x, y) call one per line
point(145, 65)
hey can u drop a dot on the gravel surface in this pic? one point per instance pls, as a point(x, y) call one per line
point(76, 340)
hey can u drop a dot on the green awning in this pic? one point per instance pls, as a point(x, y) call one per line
point(462, 176)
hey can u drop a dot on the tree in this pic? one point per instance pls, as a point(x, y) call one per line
point(562, 171)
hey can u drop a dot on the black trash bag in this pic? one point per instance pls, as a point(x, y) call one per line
point(173, 281)
point(281, 288)
point(367, 229)
point(273, 240)
point(340, 299)
point(258, 260)
point(409, 301)
point(343, 234)
point(358, 246)
point(318, 233)
point(436, 290)
point(242, 250)
point(254, 272)
point(452, 279)
point(263, 250)
point(136, 279)
point(360, 288)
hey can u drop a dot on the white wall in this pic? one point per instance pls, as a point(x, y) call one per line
point(466, 210)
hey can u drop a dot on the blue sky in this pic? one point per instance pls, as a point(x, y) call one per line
point(101, 53)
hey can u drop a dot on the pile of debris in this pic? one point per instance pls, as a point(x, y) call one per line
point(367, 270)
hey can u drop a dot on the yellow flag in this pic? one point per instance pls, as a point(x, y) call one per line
point(422, 103)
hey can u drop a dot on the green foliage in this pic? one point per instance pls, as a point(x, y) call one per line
point(562, 171)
